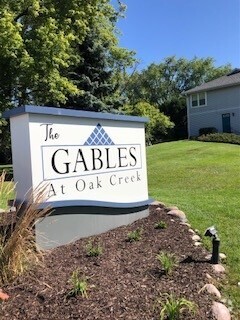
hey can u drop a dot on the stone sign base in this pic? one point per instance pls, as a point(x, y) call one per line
point(68, 224)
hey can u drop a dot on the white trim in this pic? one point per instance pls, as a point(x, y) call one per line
point(229, 110)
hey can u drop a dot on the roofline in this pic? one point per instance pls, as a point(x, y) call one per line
point(190, 91)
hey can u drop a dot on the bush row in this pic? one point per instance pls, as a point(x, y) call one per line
point(220, 137)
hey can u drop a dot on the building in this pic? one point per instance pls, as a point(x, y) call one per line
point(215, 104)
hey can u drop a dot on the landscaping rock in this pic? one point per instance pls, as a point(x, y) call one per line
point(208, 276)
point(222, 256)
point(208, 257)
point(196, 237)
point(191, 231)
point(218, 268)
point(186, 224)
point(3, 296)
point(197, 243)
point(178, 214)
point(12, 209)
point(220, 311)
point(172, 208)
point(210, 288)
point(158, 204)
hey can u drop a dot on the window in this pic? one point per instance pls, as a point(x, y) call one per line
point(194, 100)
point(199, 99)
point(202, 99)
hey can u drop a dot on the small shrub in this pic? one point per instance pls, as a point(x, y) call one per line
point(79, 284)
point(172, 308)
point(168, 261)
point(135, 235)
point(93, 250)
point(207, 130)
point(160, 225)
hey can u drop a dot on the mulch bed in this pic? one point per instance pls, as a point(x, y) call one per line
point(125, 281)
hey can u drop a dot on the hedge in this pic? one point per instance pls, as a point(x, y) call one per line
point(220, 137)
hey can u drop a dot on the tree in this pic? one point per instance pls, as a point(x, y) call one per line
point(158, 124)
point(36, 47)
point(53, 51)
point(100, 65)
point(41, 41)
point(162, 86)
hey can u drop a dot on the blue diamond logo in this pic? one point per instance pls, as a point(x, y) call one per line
point(98, 137)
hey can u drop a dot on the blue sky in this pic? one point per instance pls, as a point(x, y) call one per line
point(156, 29)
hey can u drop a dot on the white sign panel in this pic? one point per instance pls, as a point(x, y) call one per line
point(79, 156)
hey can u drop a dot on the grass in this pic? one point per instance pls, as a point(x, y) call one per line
point(203, 180)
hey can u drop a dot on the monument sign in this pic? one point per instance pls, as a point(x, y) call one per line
point(91, 165)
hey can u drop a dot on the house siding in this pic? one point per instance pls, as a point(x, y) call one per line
point(219, 102)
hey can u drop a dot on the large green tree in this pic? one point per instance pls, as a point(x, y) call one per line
point(97, 75)
point(60, 53)
point(41, 41)
point(162, 86)
point(36, 46)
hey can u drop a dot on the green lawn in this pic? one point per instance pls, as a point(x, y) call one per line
point(6, 187)
point(6, 167)
point(203, 180)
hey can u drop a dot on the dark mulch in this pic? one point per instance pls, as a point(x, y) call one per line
point(125, 282)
